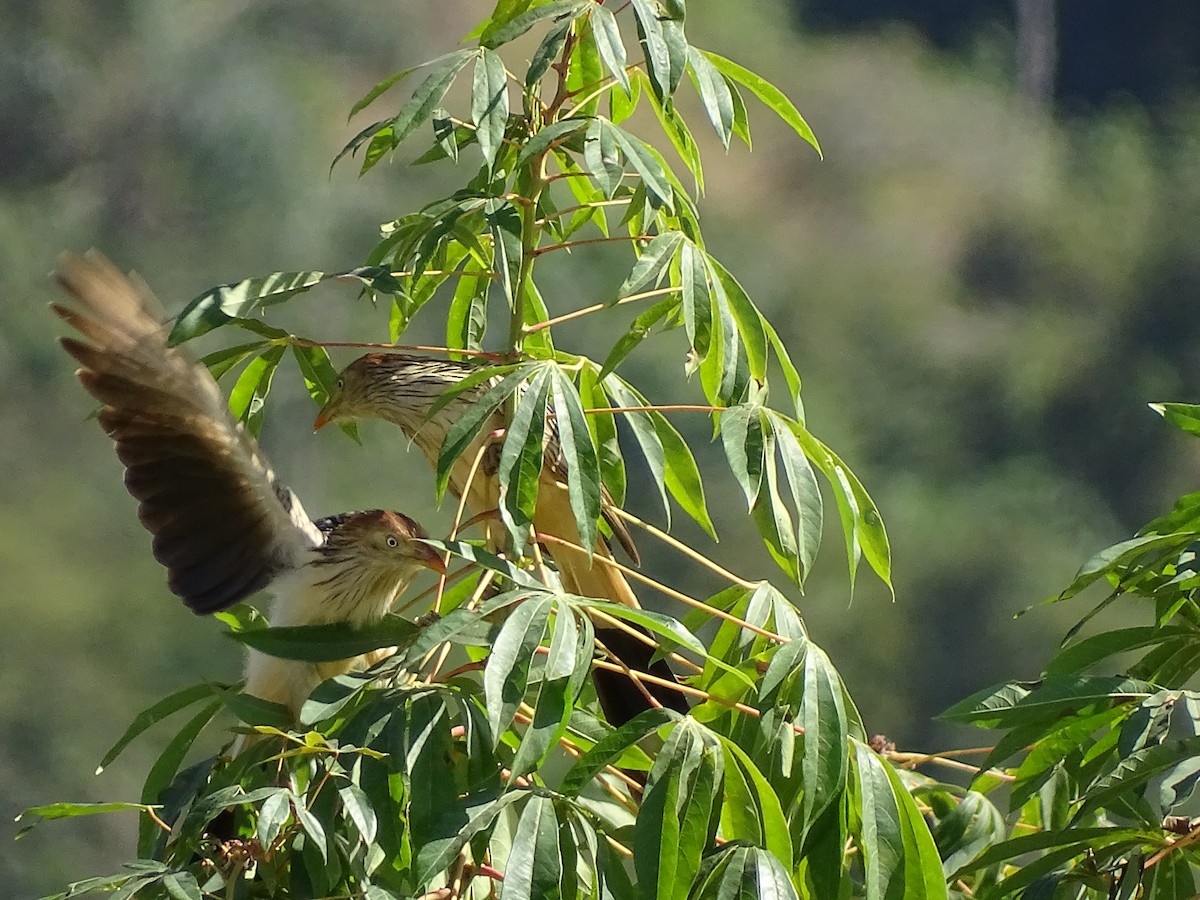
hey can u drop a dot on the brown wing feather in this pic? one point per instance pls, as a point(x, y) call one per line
point(223, 525)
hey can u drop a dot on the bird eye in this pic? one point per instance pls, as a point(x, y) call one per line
point(341, 383)
point(392, 542)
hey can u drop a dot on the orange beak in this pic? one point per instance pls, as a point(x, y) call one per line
point(323, 418)
point(430, 558)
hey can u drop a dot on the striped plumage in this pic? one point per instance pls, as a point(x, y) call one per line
point(223, 525)
point(402, 389)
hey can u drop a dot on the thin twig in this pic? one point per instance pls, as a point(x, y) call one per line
point(669, 591)
point(638, 635)
point(672, 407)
point(695, 555)
point(911, 760)
point(567, 245)
point(559, 213)
point(595, 308)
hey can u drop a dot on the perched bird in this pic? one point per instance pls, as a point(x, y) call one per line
point(223, 525)
point(402, 389)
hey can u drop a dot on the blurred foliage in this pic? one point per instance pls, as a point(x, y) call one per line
point(980, 302)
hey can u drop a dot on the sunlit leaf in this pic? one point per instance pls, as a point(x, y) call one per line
point(579, 456)
point(489, 103)
point(714, 93)
point(239, 300)
point(507, 672)
point(767, 93)
point(502, 30)
point(612, 48)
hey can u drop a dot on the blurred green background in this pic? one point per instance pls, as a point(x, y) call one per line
point(988, 277)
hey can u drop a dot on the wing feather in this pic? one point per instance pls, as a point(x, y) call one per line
point(223, 525)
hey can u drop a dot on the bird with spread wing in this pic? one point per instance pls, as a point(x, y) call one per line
point(223, 525)
point(403, 389)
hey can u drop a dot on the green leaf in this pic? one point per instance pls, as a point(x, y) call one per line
point(737, 872)
point(505, 225)
point(546, 53)
point(329, 643)
point(1080, 840)
point(152, 715)
point(249, 394)
point(610, 45)
point(221, 361)
point(714, 93)
point(742, 438)
point(489, 103)
point(771, 823)
point(466, 428)
point(502, 30)
point(679, 473)
point(53, 811)
point(611, 746)
point(806, 493)
point(900, 857)
point(579, 456)
point(553, 134)
point(655, 41)
point(602, 159)
point(181, 886)
point(767, 93)
point(1091, 650)
point(1184, 416)
point(506, 676)
point(727, 289)
point(653, 174)
point(534, 864)
point(658, 623)
point(826, 732)
point(680, 811)
point(585, 72)
point(272, 815)
point(603, 427)
point(240, 299)
point(379, 90)
point(1139, 767)
point(165, 768)
point(426, 98)
point(639, 329)
point(1017, 703)
point(522, 458)
point(651, 263)
point(973, 825)
point(697, 301)
point(466, 321)
point(312, 827)
point(357, 805)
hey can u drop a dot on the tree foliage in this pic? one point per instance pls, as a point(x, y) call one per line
point(499, 774)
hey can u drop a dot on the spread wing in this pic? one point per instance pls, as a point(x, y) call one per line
point(223, 525)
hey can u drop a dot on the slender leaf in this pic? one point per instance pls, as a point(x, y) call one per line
point(239, 300)
point(534, 864)
point(767, 93)
point(714, 93)
point(489, 103)
point(612, 48)
point(579, 456)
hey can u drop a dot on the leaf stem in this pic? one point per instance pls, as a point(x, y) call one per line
point(671, 407)
point(558, 214)
point(683, 548)
point(566, 245)
point(668, 591)
point(596, 307)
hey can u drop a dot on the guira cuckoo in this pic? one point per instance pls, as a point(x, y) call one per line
point(402, 389)
point(223, 525)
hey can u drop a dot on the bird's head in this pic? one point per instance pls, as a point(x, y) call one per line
point(392, 386)
point(380, 540)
